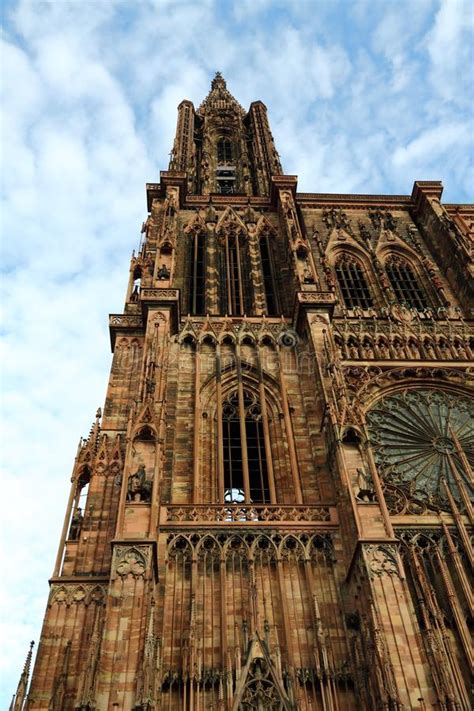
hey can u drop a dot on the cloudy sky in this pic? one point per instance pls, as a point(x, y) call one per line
point(363, 96)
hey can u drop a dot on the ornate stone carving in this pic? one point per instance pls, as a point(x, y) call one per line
point(337, 219)
point(139, 487)
point(413, 435)
point(131, 560)
point(77, 593)
point(246, 513)
point(162, 294)
point(126, 320)
point(381, 559)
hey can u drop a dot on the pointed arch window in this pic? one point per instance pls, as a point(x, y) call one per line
point(352, 283)
point(405, 283)
point(268, 274)
point(197, 281)
point(245, 461)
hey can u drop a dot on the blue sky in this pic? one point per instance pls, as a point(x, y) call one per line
point(363, 96)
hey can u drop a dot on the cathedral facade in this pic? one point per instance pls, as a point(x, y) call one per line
point(273, 510)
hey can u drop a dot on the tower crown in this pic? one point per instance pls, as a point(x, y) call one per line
point(224, 148)
point(220, 98)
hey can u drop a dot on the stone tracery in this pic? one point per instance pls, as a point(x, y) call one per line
point(417, 436)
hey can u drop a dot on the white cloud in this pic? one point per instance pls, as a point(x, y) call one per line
point(450, 45)
point(432, 144)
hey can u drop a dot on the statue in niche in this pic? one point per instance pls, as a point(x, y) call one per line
point(365, 488)
point(383, 350)
point(389, 222)
point(163, 273)
point(286, 204)
point(381, 273)
point(367, 350)
point(413, 349)
point(307, 275)
point(364, 232)
point(76, 524)
point(139, 487)
point(149, 386)
point(461, 351)
point(398, 349)
point(353, 350)
point(429, 350)
point(330, 280)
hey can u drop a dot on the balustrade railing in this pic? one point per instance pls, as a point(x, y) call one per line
point(217, 514)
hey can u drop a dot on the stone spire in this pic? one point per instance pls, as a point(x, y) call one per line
point(220, 98)
point(20, 695)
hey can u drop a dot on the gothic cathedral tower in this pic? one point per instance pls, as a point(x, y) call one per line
point(273, 510)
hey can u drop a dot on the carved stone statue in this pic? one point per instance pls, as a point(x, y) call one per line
point(307, 275)
point(389, 222)
point(367, 350)
point(364, 232)
point(76, 524)
point(139, 487)
point(461, 351)
point(163, 272)
point(365, 489)
point(383, 349)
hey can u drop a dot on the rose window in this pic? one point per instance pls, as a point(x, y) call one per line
point(419, 438)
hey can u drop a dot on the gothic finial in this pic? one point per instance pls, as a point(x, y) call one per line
point(218, 81)
point(219, 98)
point(20, 695)
point(98, 414)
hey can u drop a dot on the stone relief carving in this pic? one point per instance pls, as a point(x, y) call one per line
point(381, 560)
point(83, 593)
point(131, 560)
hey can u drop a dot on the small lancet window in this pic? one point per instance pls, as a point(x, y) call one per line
point(240, 462)
point(197, 263)
point(268, 275)
point(405, 284)
point(352, 283)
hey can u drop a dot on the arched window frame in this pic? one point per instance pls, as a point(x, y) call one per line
point(406, 282)
point(351, 277)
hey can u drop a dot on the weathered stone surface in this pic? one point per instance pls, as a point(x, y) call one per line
point(315, 580)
